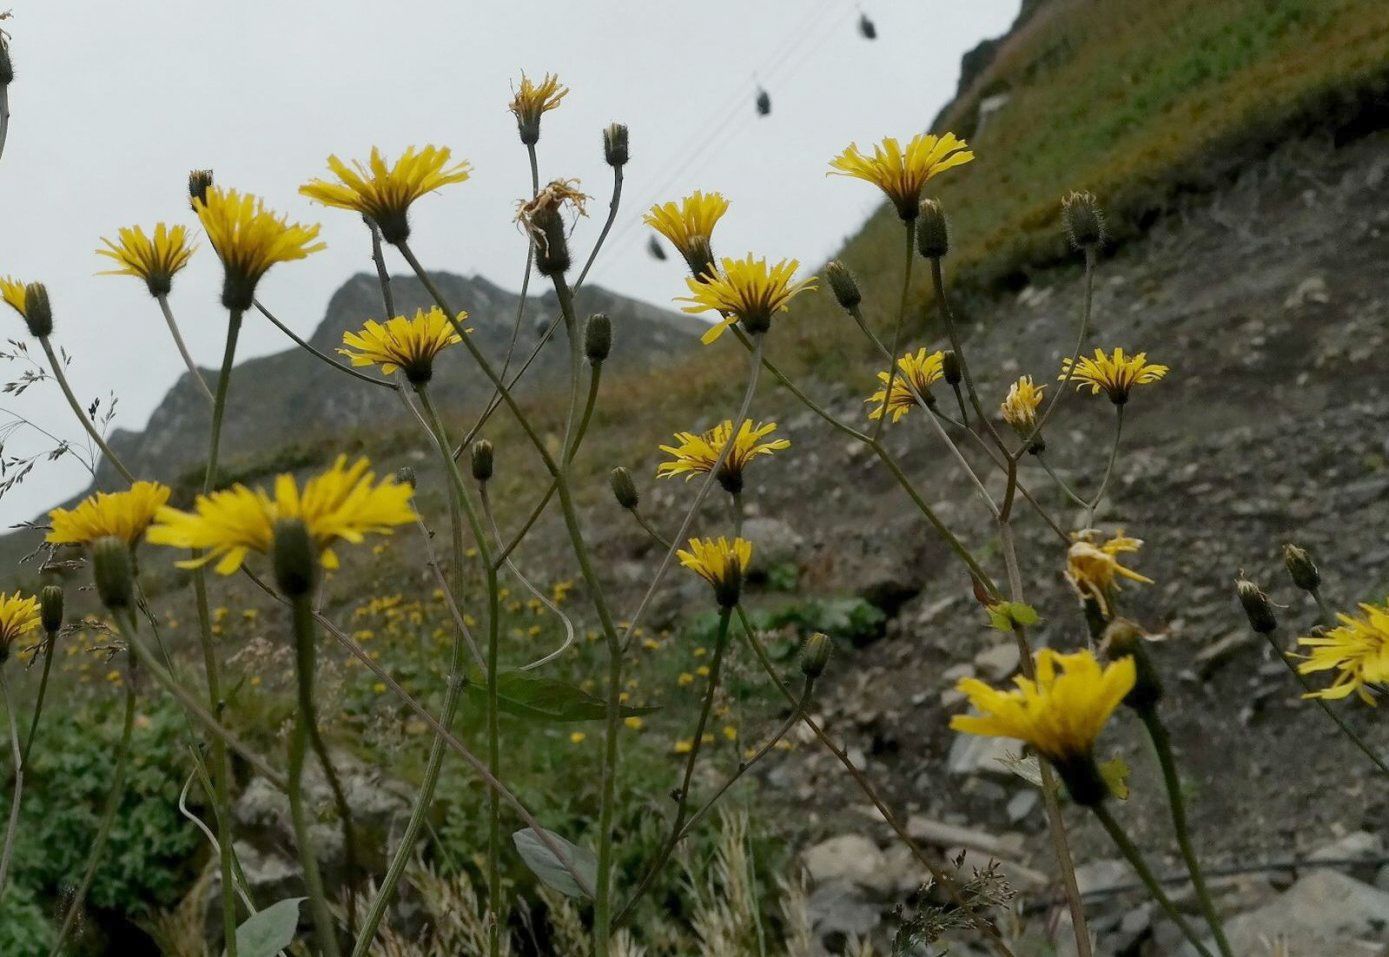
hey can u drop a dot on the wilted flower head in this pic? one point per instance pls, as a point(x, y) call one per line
point(689, 225)
point(1020, 407)
point(19, 615)
point(1357, 650)
point(400, 343)
point(249, 239)
point(917, 371)
point(342, 504)
point(153, 259)
point(1114, 374)
point(541, 217)
point(902, 173)
point(745, 290)
point(384, 193)
point(721, 563)
point(124, 515)
point(696, 454)
point(1060, 714)
point(1094, 570)
point(533, 100)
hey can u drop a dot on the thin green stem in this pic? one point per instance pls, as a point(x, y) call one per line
point(1162, 744)
point(193, 370)
point(1109, 468)
point(61, 378)
point(318, 353)
point(1061, 483)
point(49, 643)
point(948, 317)
point(613, 205)
point(12, 828)
point(897, 334)
point(1140, 866)
point(383, 275)
point(1065, 381)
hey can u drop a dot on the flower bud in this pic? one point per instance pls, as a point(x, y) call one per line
point(1084, 222)
point(624, 489)
point(551, 244)
point(1256, 606)
point(1301, 568)
point(615, 144)
point(295, 558)
point(38, 311)
point(51, 608)
point(112, 572)
point(815, 654)
point(482, 460)
point(199, 182)
point(843, 284)
point(932, 231)
point(405, 475)
point(1124, 639)
point(6, 64)
point(950, 368)
point(598, 337)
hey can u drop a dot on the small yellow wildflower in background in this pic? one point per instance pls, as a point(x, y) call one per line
point(719, 562)
point(577, 737)
point(1020, 407)
point(384, 193)
point(683, 746)
point(124, 515)
point(400, 343)
point(689, 226)
point(1060, 714)
point(154, 259)
point(1114, 374)
point(1094, 570)
point(344, 503)
point(532, 101)
point(745, 290)
point(919, 371)
point(685, 679)
point(903, 173)
point(634, 723)
point(696, 454)
point(12, 291)
point(19, 615)
point(249, 239)
point(1357, 649)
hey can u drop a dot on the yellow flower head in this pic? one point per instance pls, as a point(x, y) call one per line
point(384, 193)
point(400, 343)
point(1020, 407)
point(1357, 649)
point(249, 239)
point(342, 504)
point(12, 291)
point(902, 173)
point(1060, 714)
point(19, 615)
point(533, 100)
point(721, 563)
point(1094, 570)
point(689, 225)
point(155, 260)
point(124, 515)
point(745, 290)
point(696, 454)
point(917, 371)
point(1114, 374)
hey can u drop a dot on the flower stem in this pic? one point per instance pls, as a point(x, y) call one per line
point(1162, 744)
point(61, 378)
point(42, 693)
point(319, 354)
point(1135, 858)
point(897, 335)
point(193, 370)
point(1109, 468)
point(11, 829)
point(1061, 388)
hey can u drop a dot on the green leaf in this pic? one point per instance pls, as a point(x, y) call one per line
point(1008, 615)
point(546, 866)
point(537, 698)
point(272, 930)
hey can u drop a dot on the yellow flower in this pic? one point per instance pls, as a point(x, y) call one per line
point(634, 723)
point(384, 194)
point(1357, 648)
point(343, 503)
point(902, 174)
point(689, 225)
point(533, 100)
point(155, 260)
point(400, 343)
point(917, 371)
point(745, 290)
point(577, 737)
point(1020, 407)
point(1115, 374)
point(1060, 714)
point(696, 454)
point(249, 239)
point(1094, 570)
point(719, 562)
point(19, 615)
point(12, 291)
point(124, 515)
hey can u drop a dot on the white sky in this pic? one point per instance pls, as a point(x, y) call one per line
point(115, 100)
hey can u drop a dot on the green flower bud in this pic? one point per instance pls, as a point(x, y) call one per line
point(932, 231)
point(1301, 568)
point(551, 243)
point(1256, 606)
point(6, 64)
point(624, 489)
point(51, 607)
point(815, 654)
point(1084, 221)
point(950, 368)
point(38, 311)
point(405, 475)
point(598, 337)
point(199, 182)
point(482, 460)
point(615, 144)
point(295, 558)
point(1124, 639)
point(113, 572)
point(843, 284)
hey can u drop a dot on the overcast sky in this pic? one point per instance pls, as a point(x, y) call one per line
point(114, 102)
